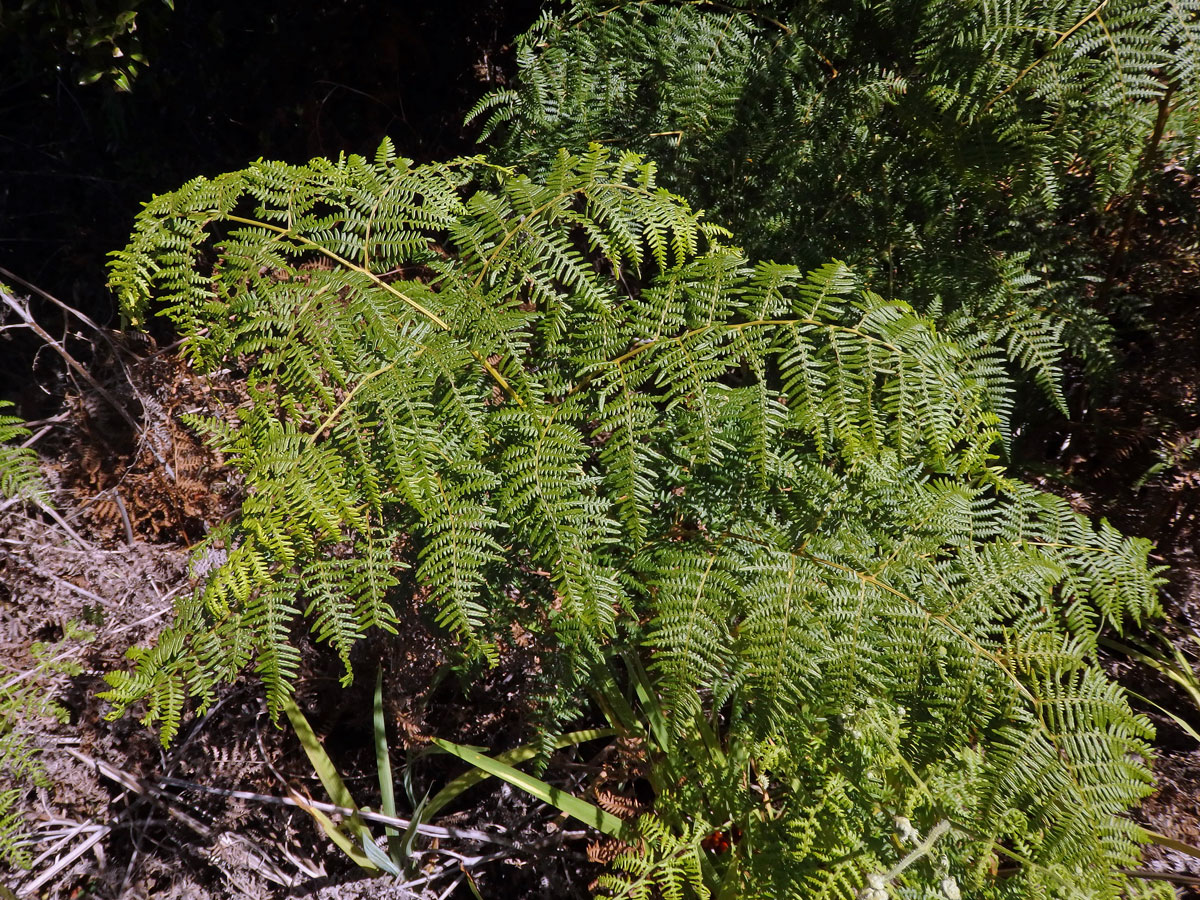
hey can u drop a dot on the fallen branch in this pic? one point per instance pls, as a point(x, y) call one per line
point(298, 802)
point(22, 311)
point(28, 321)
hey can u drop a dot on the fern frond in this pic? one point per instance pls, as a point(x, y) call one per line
point(948, 150)
point(19, 475)
point(564, 400)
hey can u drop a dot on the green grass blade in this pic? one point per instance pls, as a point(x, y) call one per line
point(383, 763)
point(512, 757)
point(660, 730)
point(375, 855)
point(1183, 724)
point(587, 813)
point(612, 702)
point(339, 837)
point(1150, 836)
point(1182, 674)
point(338, 793)
point(331, 780)
point(406, 843)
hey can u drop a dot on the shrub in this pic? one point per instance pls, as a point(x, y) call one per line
point(568, 402)
point(977, 158)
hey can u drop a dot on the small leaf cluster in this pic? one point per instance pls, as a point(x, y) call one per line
point(569, 401)
point(20, 480)
point(93, 42)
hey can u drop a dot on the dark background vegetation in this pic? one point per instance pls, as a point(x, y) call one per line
point(226, 82)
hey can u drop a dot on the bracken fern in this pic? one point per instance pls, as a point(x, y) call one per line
point(20, 699)
point(570, 402)
point(960, 152)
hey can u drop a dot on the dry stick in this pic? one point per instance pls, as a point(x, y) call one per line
point(265, 866)
point(37, 437)
point(62, 523)
point(70, 585)
point(268, 868)
point(453, 860)
point(38, 423)
point(63, 306)
point(12, 542)
point(453, 885)
point(61, 841)
point(124, 517)
point(31, 887)
point(104, 336)
point(433, 831)
point(52, 513)
point(306, 867)
point(143, 788)
point(31, 323)
point(73, 651)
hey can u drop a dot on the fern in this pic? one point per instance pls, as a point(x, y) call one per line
point(957, 152)
point(569, 402)
point(20, 481)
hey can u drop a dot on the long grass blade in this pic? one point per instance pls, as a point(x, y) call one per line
point(331, 780)
point(513, 757)
point(587, 813)
point(383, 764)
point(326, 771)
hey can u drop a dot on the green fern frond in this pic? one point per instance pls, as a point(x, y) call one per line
point(950, 150)
point(19, 475)
point(565, 401)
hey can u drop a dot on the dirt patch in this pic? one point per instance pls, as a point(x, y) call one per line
point(120, 817)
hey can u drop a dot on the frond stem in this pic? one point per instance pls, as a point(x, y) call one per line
point(1037, 62)
point(338, 258)
point(429, 314)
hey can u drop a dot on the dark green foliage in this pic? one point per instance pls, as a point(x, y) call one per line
point(569, 402)
point(86, 42)
point(960, 153)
